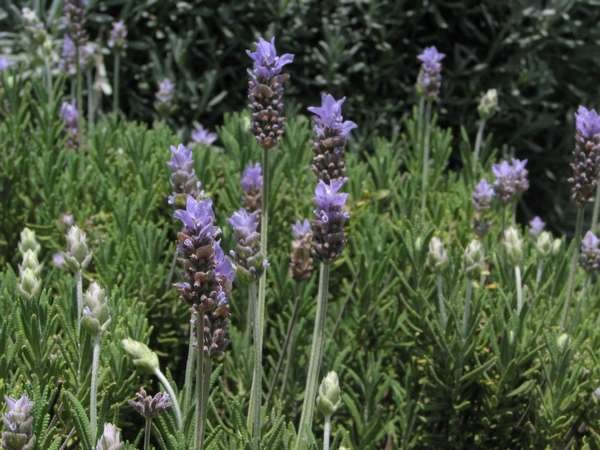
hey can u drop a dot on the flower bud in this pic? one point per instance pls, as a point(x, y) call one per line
point(556, 245)
point(78, 255)
point(18, 424)
point(488, 104)
point(544, 243)
point(329, 398)
point(142, 356)
point(562, 341)
point(437, 255)
point(95, 310)
point(110, 439)
point(28, 242)
point(474, 259)
point(30, 261)
point(29, 284)
point(513, 244)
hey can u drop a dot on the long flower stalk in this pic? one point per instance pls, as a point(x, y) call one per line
point(165, 383)
point(519, 285)
point(572, 267)
point(478, 141)
point(316, 355)
point(189, 365)
point(116, 76)
point(90, 97)
point(200, 391)
point(596, 211)
point(441, 302)
point(426, 145)
point(326, 432)
point(79, 296)
point(252, 299)
point(94, 387)
point(147, 433)
point(78, 78)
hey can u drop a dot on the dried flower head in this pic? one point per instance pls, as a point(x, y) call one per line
point(511, 179)
point(301, 261)
point(330, 217)
point(18, 424)
point(429, 80)
point(331, 132)
point(149, 406)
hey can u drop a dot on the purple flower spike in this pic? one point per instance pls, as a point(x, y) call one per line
point(118, 36)
point(430, 76)
point(590, 253)
point(587, 122)
point(330, 217)
point(201, 135)
point(536, 226)
point(301, 261)
point(247, 255)
point(18, 424)
point(331, 133)
point(166, 91)
point(267, 63)
point(483, 195)
point(198, 217)
point(183, 176)
point(511, 179)
point(70, 117)
point(251, 182)
point(301, 228)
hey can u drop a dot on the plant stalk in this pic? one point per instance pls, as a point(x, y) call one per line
point(326, 432)
point(467, 308)
point(79, 81)
point(251, 307)
point(94, 387)
point(163, 380)
point(200, 380)
point(478, 141)
point(539, 272)
point(573, 267)
point(189, 365)
point(116, 75)
point(519, 285)
point(79, 294)
point(147, 433)
point(426, 145)
point(596, 207)
point(442, 304)
point(316, 355)
point(90, 98)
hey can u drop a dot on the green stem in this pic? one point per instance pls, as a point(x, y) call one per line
point(79, 294)
point(573, 267)
point(467, 309)
point(539, 273)
point(478, 141)
point(90, 97)
point(580, 300)
point(200, 380)
point(163, 380)
point(316, 354)
point(251, 307)
point(519, 285)
point(147, 433)
point(189, 365)
point(326, 432)
point(116, 75)
point(259, 312)
point(426, 144)
point(79, 81)
point(94, 387)
point(596, 208)
point(442, 305)
point(421, 112)
point(286, 342)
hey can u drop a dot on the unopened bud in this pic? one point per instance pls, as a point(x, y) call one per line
point(474, 259)
point(562, 341)
point(142, 356)
point(110, 439)
point(95, 310)
point(437, 256)
point(78, 255)
point(513, 244)
point(556, 245)
point(29, 284)
point(329, 398)
point(28, 242)
point(488, 104)
point(544, 243)
point(30, 261)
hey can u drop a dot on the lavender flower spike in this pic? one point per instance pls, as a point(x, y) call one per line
point(251, 182)
point(70, 117)
point(301, 261)
point(183, 176)
point(202, 136)
point(165, 97)
point(75, 20)
point(586, 156)
point(18, 424)
point(265, 92)
point(430, 76)
point(247, 255)
point(536, 226)
point(483, 194)
point(331, 133)
point(330, 217)
point(118, 36)
point(511, 179)
point(590, 253)
point(149, 406)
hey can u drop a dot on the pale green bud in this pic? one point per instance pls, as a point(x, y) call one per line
point(142, 356)
point(562, 341)
point(95, 316)
point(556, 246)
point(28, 242)
point(437, 255)
point(78, 255)
point(474, 259)
point(110, 439)
point(329, 398)
point(30, 261)
point(513, 244)
point(544, 243)
point(488, 104)
point(29, 284)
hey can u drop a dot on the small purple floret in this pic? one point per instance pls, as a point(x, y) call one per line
point(201, 135)
point(301, 229)
point(328, 117)
point(511, 179)
point(198, 217)
point(587, 122)
point(252, 179)
point(267, 63)
point(483, 194)
point(536, 226)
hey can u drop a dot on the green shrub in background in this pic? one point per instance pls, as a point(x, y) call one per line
point(541, 55)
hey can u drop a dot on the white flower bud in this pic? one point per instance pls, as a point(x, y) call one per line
point(28, 242)
point(437, 256)
point(329, 398)
point(474, 259)
point(29, 284)
point(110, 439)
point(562, 341)
point(95, 310)
point(513, 244)
point(556, 246)
point(78, 255)
point(142, 356)
point(30, 261)
point(488, 104)
point(544, 243)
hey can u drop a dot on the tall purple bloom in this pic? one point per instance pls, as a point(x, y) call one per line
point(165, 97)
point(18, 424)
point(204, 274)
point(331, 132)
point(429, 80)
point(265, 92)
point(483, 194)
point(70, 117)
point(201, 135)
point(118, 36)
point(330, 217)
point(511, 179)
point(536, 226)
point(251, 182)
point(590, 253)
point(247, 255)
point(301, 261)
point(586, 156)
point(183, 176)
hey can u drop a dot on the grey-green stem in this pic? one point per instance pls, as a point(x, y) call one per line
point(519, 285)
point(94, 387)
point(189, 365)
point(201, 406)
point(165, 383)
point(79, 295)
point(426, 145)
point(467, 308)
point(478, 141)
point(316, 355)
point(441, 302)
point(147, 433)
point(572, 268)
point(326, 432)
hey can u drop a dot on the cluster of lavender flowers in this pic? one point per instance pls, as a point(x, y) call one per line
point(430, 76)
point(18, 424)
point(586, 156)
point(207, 273)
point(590, 253)
point(265, 92)
point(149, 406)
point(70, 117)
point(75, 21)
point(118, 36)
point(184, 181)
